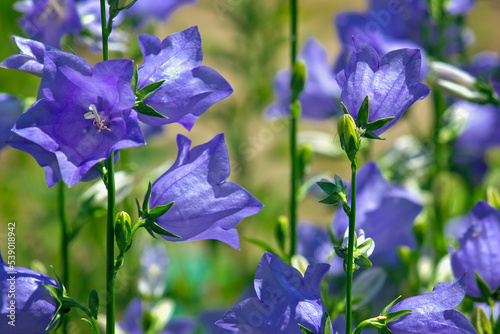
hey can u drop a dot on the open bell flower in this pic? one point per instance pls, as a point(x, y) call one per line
point(391, 83)
point(434, 312)
point(206, 206)
point(284, 300)
point(189, 88)
point(478, 251)
point(83, 115)
point(27, 307)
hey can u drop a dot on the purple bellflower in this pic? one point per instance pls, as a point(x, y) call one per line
point(134, 321)
point(478, 136)
point(391, 82)
point(319, 99)
point(153, 278)
point(478, 251)
point(206, 206)
point(83, 115)
point(30, 60)
point(10, 109)
point(48, 20)
point(434, 312)
point(385, 212)
point(27, 307)
point(460, 7)
point(143, 11)
point(189, 88)
point(284, 300)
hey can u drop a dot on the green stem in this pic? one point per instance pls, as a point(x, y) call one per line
point(64, 243)
point(89, 315)
point(350, 248)
point(293, 136)
point(110, 185)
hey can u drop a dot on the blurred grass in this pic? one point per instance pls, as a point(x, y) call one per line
point(245, 41)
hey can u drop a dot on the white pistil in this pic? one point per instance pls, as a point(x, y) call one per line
point(98, 122)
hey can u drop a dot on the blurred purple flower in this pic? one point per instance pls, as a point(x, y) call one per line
point(385, 212)
point(479, 134)
point(478, 251)
point(434, 312)
point(319, 99)
point(189, 88)
point(10, 110)
point(30, 60)
point(83, 115)
point(314, 243)
point(460, 7)
point(284, 300)
point(154, 264)
point(391, 82)
point(23, 296)
point(48, 20)
point(206, 205)
point(144, 11)
point(133, 320)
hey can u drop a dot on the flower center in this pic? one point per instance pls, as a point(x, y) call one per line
point(55, 10)
point(98, 122)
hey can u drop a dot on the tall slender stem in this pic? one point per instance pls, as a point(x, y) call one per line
point(64, 243)
point(350, 249)
point(110, 185)
point(293, 136)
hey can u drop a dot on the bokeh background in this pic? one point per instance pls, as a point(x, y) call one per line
point(247, 42)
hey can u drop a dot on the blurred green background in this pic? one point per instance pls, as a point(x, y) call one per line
point(245, 41)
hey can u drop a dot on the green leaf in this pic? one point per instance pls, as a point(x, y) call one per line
point(327, 187)
point(159, 211)
point(146, 91)
point(281, 232)
point(480, 321)
point(396, 315)
point(135, 79)
point(147, 110)
point(145, 202)
point(362, 119)
point(330, 200)
point(379, 123)
point(363, 262)
point(391, 304)
point(483, 287)
point(371, 135)
point(94, 303)
point(327, 324)
point(305, 330)
point(160, 230)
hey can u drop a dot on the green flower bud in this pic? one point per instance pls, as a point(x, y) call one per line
point(121, 4)
point(349, 136)
point(282, 232)
point(123, 231)
point(298, 80)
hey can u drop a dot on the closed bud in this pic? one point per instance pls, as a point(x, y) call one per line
point(123, 231)
point(298, 80)
point(349, 136)
point(493, 197)
point(121, 4)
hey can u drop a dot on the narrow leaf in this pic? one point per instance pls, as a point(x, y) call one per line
point(362, 119)
point(378, 123)
point(94, 303)
point(327, 325)
point(391, 304)
point(147, 110)
point(305, 330)
point(145, 203)
point(160, 230)
point(135, 79)
point(344, 108)
point(396, 315)
point(371, 135)
point(159, 211)
point(483, 287)
point(146, 91)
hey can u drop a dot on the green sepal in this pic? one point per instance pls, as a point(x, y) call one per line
point(94, 304)
point(330, 201)
point(396, 315)
point(160, 230)
point(305, 330)
point(135, 79)
point(150, 231)
point(371, 135)
point(147, 110)
point(344, 108)
point(57, 293)
point(365, 246)
point(362, 119)
point(483, 287)
point(327, 325)
point(281, 232)
point(139, 210)
point(480, 321)
point(391, 304)
point(146, 91)
point(340, 251)
point(363, 262)
point(145, 202)
point(379, 123)
point(262, 244)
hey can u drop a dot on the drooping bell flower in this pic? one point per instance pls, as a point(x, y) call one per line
point(48, 20)
point(206, 206)
point(83, 115)
point(189, 88)
point(284, 300)
point(391, 83)
point(319, 99)
point(153, 276)
point(27, 307)
point(434, 312)
point(478, 251)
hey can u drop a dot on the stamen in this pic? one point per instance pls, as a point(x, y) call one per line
point(98, 122)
